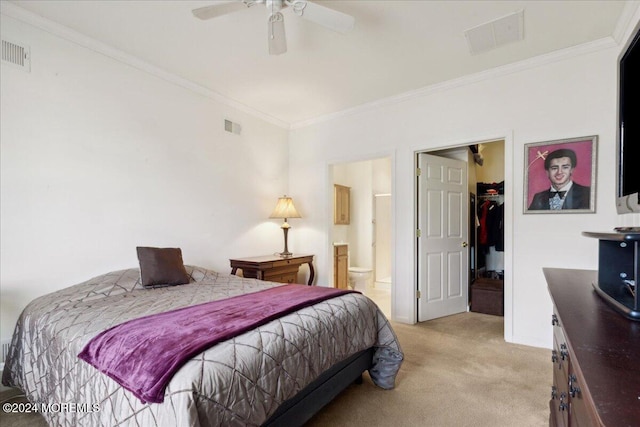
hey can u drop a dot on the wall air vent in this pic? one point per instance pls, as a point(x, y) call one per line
point(231, 127)
point(16, 54)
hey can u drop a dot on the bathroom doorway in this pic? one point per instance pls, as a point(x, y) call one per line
point(369, 232)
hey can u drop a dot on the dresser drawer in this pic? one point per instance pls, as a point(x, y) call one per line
point(582, 408)
point(282, 278)
point(284, 263)
point(278, 271)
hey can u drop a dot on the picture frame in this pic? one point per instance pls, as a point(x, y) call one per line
point(550, 166)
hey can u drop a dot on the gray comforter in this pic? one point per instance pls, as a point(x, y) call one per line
point(238, 382)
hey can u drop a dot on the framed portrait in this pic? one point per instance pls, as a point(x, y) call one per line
point(560, 176)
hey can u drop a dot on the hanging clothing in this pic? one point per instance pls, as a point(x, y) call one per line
point(491, 230)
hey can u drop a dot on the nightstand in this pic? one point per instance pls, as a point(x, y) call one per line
point(273, 268)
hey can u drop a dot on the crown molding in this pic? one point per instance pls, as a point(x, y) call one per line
point(23, 15)
point(549, 58)
point(627, 22)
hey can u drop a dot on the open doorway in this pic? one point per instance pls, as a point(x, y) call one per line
point(481, 233)
point(367, 236)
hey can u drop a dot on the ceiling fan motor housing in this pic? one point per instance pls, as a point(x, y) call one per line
point(274, 6)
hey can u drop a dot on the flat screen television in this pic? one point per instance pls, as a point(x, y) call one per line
point(628, 180)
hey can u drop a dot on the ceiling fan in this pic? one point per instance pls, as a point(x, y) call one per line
point(329, 18)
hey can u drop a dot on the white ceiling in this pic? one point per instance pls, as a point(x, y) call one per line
point(396, 46)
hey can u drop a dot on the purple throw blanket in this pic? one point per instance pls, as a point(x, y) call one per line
point(143, 354)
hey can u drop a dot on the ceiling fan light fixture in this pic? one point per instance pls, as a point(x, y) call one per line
point(327, 17)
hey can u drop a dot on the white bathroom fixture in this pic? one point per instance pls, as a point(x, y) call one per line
point(360, 278)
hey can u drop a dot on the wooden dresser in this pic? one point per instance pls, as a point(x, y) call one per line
point(596, 356)
point(273, 268)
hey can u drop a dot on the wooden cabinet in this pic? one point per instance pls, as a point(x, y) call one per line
point(341, 266)
point(596, 376)
point(341, 203)
point(273, 268)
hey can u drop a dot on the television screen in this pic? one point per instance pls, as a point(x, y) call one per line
point(629, 129)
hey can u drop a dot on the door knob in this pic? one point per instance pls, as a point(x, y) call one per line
point(465, 244)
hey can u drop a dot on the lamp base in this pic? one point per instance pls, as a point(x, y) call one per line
point(285, 229)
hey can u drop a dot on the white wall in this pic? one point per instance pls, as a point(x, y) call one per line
point(564, 96)
point(381, 176)
point(98, 157)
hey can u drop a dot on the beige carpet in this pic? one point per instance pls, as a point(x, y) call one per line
point(458, 371)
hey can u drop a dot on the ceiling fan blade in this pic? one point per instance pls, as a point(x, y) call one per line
point(219, 9)
point(277, 38)
point(330, 18)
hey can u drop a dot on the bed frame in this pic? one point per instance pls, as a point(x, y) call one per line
point(299, 409)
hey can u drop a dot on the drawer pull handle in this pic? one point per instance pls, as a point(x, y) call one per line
point(563, 406)
point(554, 356)
point(563, 351)
point(554, 320)
point(573, 390)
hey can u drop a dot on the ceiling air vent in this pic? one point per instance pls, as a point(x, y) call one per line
point(494, 34)
point(16, 54)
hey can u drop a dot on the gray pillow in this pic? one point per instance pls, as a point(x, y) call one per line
point(161, 266)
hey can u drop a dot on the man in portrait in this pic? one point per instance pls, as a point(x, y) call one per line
point(564, 193)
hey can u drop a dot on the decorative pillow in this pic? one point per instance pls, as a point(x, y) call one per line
point(161, 266)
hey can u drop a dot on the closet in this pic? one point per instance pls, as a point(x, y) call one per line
point(487, 290)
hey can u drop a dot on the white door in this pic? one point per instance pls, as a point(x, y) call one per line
point(443, 259)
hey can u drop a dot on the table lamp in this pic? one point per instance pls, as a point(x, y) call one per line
point(285, 209)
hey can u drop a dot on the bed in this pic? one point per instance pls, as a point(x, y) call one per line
point(279, 373)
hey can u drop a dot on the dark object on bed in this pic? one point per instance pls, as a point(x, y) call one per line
point(161, 266)
point(487, 296)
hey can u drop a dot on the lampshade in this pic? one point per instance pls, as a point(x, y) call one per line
point(285, 209)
